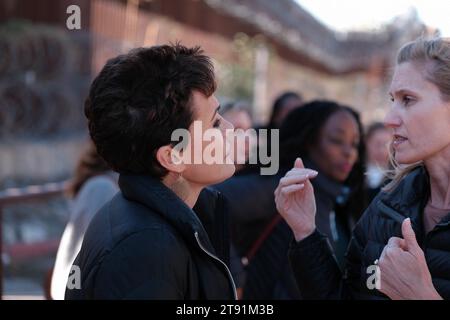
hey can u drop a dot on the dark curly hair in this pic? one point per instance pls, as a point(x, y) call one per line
point(138, 100)
point(301, 130)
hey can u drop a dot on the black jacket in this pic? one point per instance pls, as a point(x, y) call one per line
point(147, 244)
point(269, 275)
point(317, 273)
point(252, 206)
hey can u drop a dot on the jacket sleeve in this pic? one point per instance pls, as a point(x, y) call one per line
point(317, 273)
point(143, 267)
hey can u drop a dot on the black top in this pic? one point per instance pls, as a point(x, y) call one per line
point(268, 274)
point(146, 243)
point(317, 273)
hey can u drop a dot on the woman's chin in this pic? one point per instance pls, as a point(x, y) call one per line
point(230, 170)
point(404, 160)
point(226, 171)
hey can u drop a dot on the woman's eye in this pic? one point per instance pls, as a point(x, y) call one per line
point(407, 100)
point(337, 141)
point(216, 123)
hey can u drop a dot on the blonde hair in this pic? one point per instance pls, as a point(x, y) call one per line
point(434, 55)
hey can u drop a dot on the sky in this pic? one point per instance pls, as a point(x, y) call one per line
point(344, 15)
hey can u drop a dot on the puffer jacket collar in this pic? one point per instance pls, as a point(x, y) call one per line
point(153, 194)
point(409, 199)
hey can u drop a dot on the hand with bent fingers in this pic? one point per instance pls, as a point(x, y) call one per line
point(404, 272)
point(295, 201)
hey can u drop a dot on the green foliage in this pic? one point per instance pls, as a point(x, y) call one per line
point(236, 78)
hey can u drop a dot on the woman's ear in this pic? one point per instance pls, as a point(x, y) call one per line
point(170, 159)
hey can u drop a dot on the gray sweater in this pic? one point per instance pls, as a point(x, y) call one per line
point(95, 192)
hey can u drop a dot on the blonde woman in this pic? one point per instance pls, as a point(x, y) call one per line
point(400, 248)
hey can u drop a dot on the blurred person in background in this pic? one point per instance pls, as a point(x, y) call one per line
point(400, 248)
point(147, 242)
point(377, 143)
point(283, 104)
point(329, 137)
point(93, 184)
point(238, 114)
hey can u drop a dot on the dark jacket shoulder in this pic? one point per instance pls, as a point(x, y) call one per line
point(147, 244)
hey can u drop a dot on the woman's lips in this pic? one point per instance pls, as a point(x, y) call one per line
point(346, 167)
point(398, 140)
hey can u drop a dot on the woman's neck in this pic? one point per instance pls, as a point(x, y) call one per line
point(438, 168)
point(183, 189)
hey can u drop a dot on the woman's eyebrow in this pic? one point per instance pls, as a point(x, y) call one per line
point(402, 91)
point(338, 130)
point(214, 114)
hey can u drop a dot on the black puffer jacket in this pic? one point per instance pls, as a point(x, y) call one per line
point(269, 275)
point(147, 244)
point(317, 273)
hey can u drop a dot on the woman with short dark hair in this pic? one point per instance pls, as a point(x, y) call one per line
point(147, 242)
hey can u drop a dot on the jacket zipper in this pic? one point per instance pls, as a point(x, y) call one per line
point(399, 218)
point(391, 212)
point(220, 261)
point(333, 227)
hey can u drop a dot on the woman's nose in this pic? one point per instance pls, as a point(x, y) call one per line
point(349, 150)
point(392, 119)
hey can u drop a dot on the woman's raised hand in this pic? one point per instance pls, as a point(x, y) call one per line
point(295, 201)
